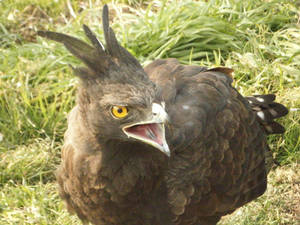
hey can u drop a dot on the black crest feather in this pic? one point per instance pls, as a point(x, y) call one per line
point(112, 45)
point(96, 57)
point(96, 43)
point(78, 48)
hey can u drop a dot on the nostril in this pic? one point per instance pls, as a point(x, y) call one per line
point(156, 108)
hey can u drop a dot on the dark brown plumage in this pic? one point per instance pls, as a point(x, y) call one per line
point(165, 145)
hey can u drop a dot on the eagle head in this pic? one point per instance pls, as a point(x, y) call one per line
point(116, 98)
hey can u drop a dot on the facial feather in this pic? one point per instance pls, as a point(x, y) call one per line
point(112, 77)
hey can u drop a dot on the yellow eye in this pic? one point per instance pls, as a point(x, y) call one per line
point(119, 111)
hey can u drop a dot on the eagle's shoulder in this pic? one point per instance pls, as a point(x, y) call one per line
point(218, 145)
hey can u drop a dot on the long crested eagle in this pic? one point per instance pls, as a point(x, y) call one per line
point(167, 144)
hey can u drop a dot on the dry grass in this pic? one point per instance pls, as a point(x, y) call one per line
point(280, 205)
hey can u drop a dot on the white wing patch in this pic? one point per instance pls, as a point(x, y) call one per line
point(260, 99)
point(261, 115)
point(185, 107)
point(273, 112)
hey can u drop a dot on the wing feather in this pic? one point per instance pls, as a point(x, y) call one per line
point(215, 130)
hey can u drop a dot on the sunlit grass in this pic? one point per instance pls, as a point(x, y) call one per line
point(278, 206)
point(33, 204)
point(259, 39)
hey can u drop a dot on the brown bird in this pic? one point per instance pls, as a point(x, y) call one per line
point(165, 145)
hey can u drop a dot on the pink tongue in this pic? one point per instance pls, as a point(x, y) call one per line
point(148, 131)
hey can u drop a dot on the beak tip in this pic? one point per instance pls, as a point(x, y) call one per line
point(166, 150)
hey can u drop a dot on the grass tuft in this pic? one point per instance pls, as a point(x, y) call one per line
point(29, 164)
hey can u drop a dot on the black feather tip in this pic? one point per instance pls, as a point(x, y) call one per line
point(95, 56)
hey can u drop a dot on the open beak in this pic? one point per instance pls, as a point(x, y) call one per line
point(152, 131)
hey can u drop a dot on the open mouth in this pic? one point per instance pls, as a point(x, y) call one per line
point(150, 133)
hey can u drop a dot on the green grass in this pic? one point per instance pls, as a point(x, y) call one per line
point(259, 39)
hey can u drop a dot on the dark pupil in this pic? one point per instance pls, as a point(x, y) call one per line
point(120, 110)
